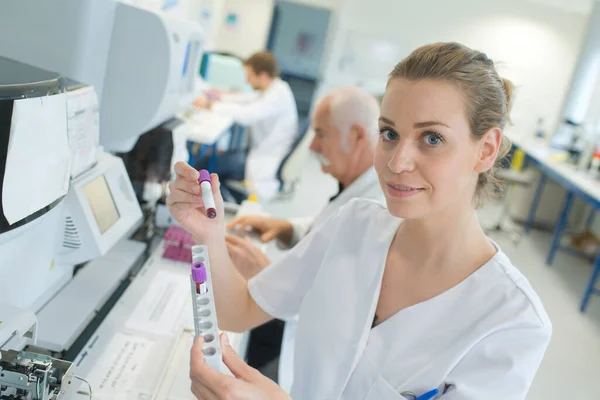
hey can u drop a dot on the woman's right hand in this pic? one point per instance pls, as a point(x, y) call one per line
point(186, 205)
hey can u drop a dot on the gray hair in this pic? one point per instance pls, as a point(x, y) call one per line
point(349, 106)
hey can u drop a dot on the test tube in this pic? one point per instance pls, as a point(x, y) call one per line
point(199, 277)
point(207, 195)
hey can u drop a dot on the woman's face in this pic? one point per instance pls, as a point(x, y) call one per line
point(426, 158)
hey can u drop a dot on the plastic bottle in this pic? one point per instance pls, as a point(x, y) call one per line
point(595, 165)
point(587, 153)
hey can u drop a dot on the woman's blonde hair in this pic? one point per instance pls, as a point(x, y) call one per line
point(488, 96)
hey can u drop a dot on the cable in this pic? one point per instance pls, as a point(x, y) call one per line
point(88, 384)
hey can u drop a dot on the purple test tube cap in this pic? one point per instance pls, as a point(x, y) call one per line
point(204, 176)
point(199, 272)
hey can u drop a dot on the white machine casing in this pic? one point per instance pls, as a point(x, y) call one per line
point(83, 239)
point(115, 47)
point(30, 276)
point(147, 47)
point(18, 327)
point(70, 37)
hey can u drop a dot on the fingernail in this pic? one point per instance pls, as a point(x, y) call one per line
point(194, 175)
point(225, 339)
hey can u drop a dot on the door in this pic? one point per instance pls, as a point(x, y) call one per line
point(297, 39)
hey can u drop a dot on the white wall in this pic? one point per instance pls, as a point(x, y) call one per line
point(534, 45)
point(247, 36)
point(252, 30)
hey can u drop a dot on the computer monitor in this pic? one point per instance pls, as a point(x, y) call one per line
point(100, 209)
point(101, 203)
point(224, 72)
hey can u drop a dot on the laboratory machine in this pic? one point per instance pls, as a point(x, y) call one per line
point(86, 80)
point(26, 375)
point(142, 64)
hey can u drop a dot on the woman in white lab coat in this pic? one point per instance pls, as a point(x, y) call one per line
point(400, 302)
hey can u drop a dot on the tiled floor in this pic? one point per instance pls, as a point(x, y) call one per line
point(571, 368)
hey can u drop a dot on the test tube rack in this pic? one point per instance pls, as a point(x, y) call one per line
point(205, 313)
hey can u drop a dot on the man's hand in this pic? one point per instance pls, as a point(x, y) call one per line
point(248, 259)
point(203, 102)
point(267, 228)
point(248, 384)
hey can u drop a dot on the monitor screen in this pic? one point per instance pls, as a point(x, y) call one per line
point(102, 203)
point(225, 72)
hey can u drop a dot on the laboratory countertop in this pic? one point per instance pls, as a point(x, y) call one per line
point(204, 126)
point(567, 174)
point(141, 350)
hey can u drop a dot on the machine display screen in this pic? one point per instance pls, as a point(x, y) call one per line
point(102, 203)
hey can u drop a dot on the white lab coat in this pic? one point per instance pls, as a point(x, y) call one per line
point(365, 186)
point(482, 339)
point(272, 119)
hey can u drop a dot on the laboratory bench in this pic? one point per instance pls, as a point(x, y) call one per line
point(577, 183)
point(141, 348)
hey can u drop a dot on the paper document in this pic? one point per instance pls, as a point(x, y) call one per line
point(206, 127)
point(116, 372)
point(84, 128)
point(159, 311)
point(38, 160)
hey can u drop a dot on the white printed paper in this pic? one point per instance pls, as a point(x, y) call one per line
point(206, 127)
point(84, 128)
point(122, 361)
point(38, 160)
point(159, 311)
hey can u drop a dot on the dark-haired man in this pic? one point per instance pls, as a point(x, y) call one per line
point(272, 119)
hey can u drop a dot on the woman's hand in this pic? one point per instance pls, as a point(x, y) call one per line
point(186, 205)
point(248, 259)
point(248, 384)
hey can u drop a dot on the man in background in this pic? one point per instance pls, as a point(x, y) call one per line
point(272, 120)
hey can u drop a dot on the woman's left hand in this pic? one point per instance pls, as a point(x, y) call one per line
point(248, 384)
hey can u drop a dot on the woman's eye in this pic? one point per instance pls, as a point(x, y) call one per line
point(433, 139)
point(388, 134)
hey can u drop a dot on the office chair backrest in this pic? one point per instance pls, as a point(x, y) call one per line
point(291, 166)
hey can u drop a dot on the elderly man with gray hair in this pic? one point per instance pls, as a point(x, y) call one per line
point(346, 133)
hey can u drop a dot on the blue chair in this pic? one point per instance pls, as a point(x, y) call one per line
point(290, 168)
